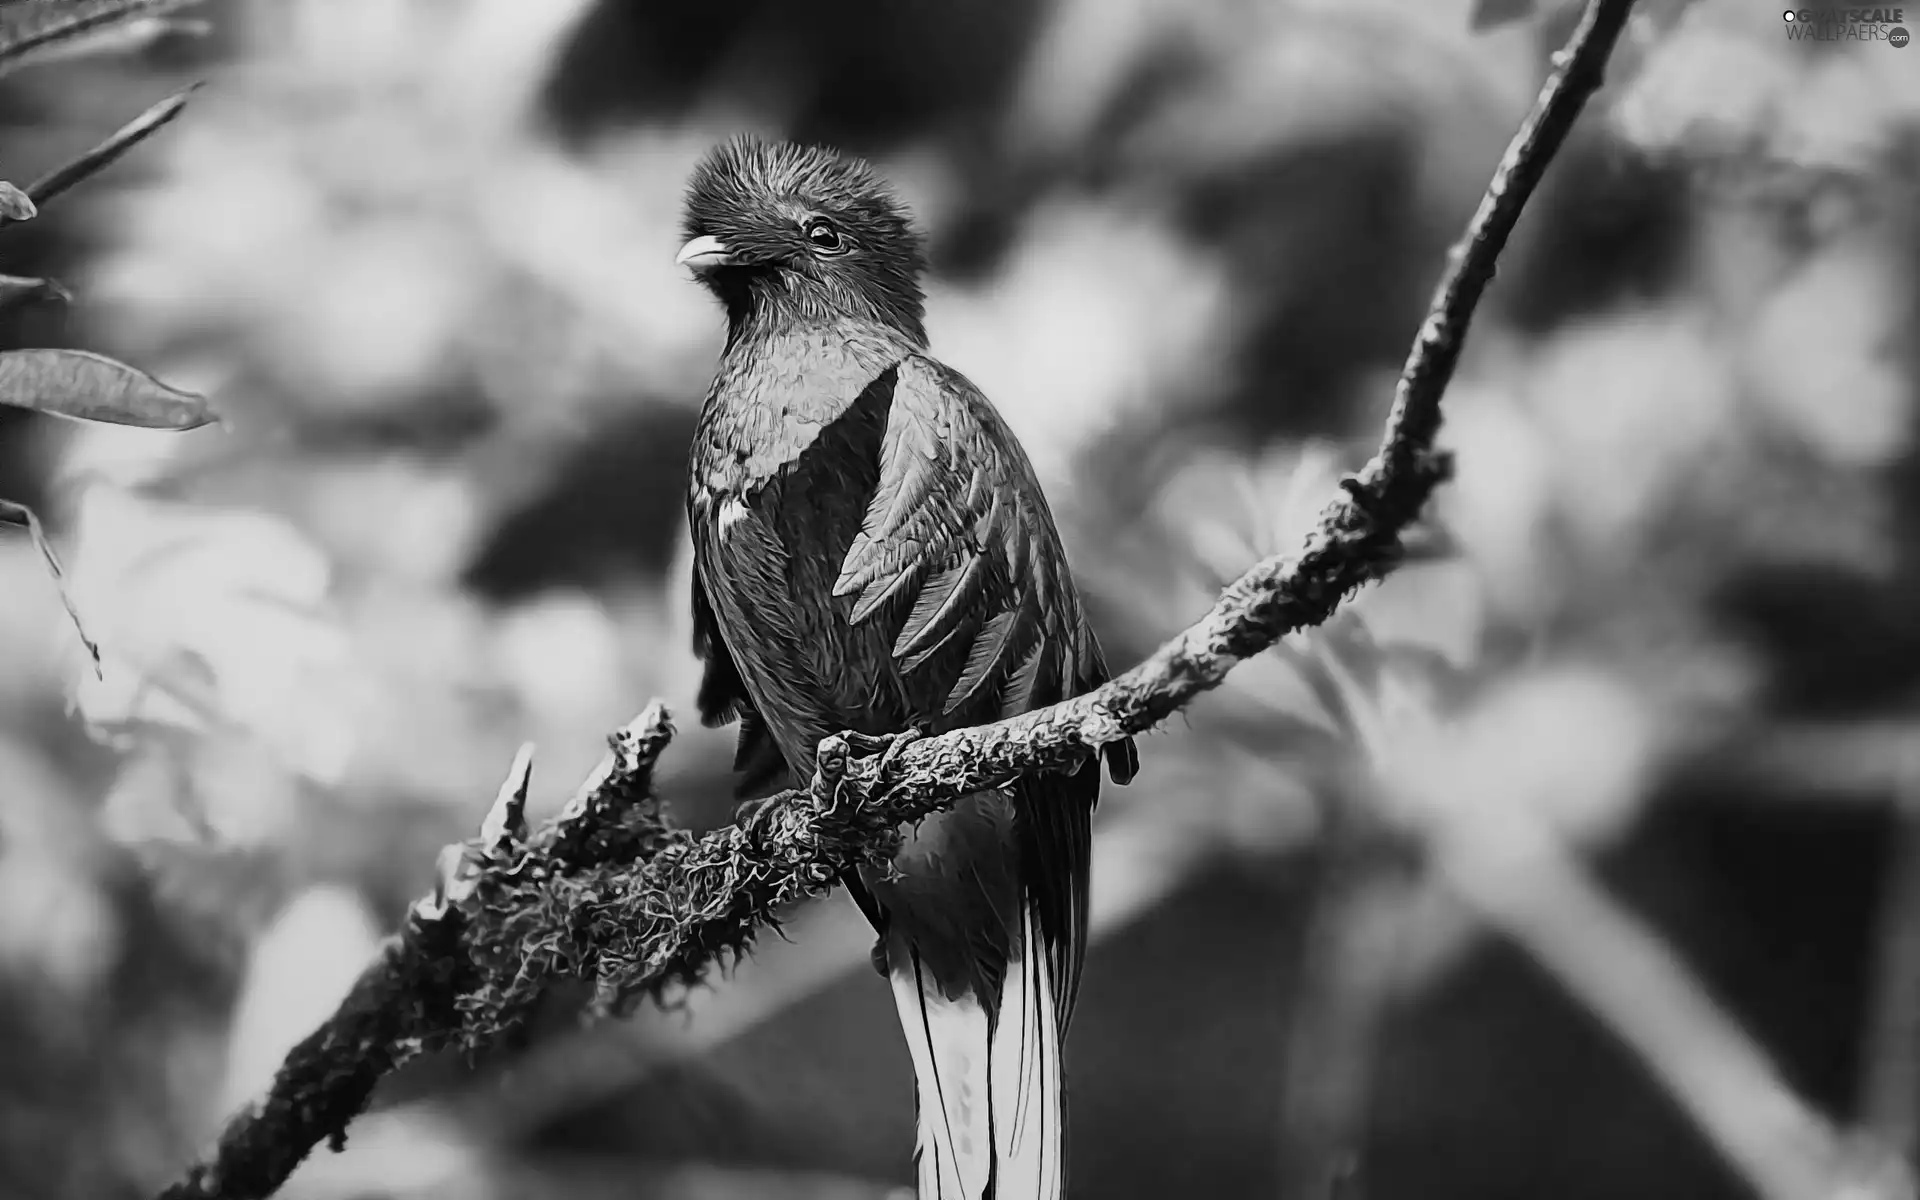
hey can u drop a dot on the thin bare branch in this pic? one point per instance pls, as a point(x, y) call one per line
point(14, 513)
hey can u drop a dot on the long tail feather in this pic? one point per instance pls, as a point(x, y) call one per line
point(991, 1114)
point(1028, 1107)
point(949, 1041)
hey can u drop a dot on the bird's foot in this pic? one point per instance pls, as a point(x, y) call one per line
point(887, 745)
point(878, 955)
point(895, 744)
point(837, 752)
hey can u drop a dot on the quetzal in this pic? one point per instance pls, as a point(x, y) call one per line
point(872, 552)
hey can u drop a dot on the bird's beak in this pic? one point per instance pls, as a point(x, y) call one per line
point(704, 253)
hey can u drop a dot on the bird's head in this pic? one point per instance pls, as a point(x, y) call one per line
point(784, 233)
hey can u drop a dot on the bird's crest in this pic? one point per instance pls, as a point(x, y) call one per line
point(783, 224)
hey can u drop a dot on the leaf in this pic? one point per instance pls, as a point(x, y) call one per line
point(51, 29)
point(97, 159)
point(25, 289)
point(92, 387)
point(15, 205)
point(19, 514)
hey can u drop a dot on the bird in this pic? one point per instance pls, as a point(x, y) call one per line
point(872, 553)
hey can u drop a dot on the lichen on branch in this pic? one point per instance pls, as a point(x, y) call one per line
point(419, 990)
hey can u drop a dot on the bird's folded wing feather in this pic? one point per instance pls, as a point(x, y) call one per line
point(959, 532)
point(723, 699)
point(958, 527)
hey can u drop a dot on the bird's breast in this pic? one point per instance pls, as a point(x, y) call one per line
point(776, 397)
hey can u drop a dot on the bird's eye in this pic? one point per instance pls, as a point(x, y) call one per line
point(823, 237)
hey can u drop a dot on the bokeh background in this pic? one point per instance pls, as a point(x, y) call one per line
point(1580, 859)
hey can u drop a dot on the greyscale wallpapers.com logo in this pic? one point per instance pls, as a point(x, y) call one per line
point(1847, 25)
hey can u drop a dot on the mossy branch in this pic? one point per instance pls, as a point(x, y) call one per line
point(611, 892)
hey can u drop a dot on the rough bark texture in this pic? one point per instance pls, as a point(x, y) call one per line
point(610, 892)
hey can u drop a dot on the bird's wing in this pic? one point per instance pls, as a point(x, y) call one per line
point(959, 537)
point(723, 699)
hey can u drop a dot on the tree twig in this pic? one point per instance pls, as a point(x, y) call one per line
point(14, 513)
point(610, 892)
